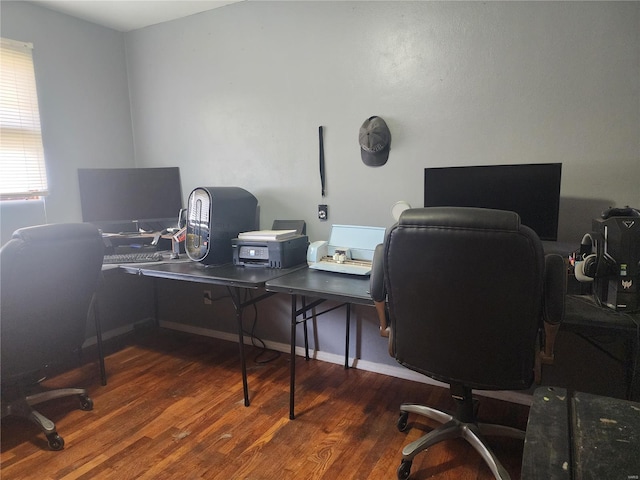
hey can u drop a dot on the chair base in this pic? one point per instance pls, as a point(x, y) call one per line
point(453, 427)
point(20, 405)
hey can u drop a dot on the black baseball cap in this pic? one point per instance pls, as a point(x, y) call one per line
point(375, 141)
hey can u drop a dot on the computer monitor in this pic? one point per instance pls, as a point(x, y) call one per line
point(530, 190)
point(130, 199)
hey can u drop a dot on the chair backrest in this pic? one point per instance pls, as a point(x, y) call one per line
point(464, 292)
point(48, 277)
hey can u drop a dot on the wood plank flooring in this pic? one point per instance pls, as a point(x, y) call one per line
point(173, 409)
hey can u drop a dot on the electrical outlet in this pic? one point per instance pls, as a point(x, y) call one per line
point(323, 212)
point(206, 297)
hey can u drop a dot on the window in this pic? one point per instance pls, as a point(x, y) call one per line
point(22, 168)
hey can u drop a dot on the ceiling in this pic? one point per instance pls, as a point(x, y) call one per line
point(126, 15)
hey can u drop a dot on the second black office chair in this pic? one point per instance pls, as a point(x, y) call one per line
point(464, 290)
point(49, 277)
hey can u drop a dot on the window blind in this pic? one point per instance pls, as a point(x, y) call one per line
point(22, 167)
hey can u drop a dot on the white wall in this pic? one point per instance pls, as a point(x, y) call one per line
point(235, 97)
point(84, 105)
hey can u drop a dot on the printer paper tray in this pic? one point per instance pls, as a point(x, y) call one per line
point(350, 268)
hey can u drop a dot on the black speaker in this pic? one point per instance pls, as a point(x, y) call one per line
point(617, 287)
point(215, 215)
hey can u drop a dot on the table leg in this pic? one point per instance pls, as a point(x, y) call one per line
point(632, 365)
point(237, 303)
point(292, 367)
point(96, 319)
point(304, 326)
point(347, 328)
point(156, 308)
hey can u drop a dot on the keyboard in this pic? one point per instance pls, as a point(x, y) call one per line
point(132, 258)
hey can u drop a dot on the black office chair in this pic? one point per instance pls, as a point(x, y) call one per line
point(49, 276)
point(464, 291)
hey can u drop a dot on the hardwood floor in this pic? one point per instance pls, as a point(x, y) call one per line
point(173, 409)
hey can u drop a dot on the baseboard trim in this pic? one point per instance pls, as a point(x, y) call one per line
point(522, 398)
point(115, 333)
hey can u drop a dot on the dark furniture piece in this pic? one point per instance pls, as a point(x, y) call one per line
point(49, 277)
point(465, 294)
point(573, 435)
point(314, 287)
point(234, 278)
point(591, 321)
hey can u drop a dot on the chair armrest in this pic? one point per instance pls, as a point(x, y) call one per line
point(555, 289)
point(377, 290)
point(376, 280)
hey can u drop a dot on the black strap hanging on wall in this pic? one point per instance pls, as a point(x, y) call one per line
point(321, 159)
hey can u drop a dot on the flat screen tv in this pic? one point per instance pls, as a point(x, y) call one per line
point(130, 199)
point(531, 190)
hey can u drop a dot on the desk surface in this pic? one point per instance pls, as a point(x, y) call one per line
point(581, 436)
point(328, 285)
point(581, 311)
point(228, 274)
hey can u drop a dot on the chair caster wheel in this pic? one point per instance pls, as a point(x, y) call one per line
point(404, 470)
point(86, 403)
point(56, 442)
point(402, 421)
